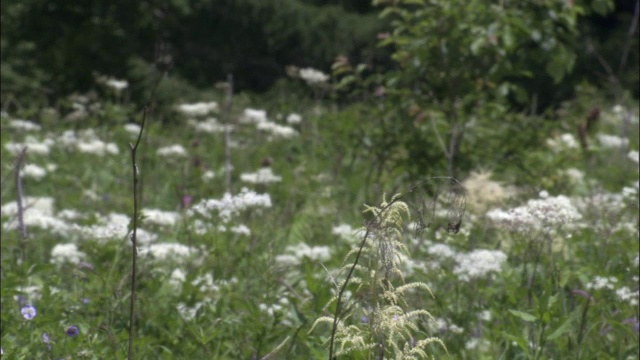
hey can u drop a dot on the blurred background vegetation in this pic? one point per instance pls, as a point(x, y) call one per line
point(459, 75)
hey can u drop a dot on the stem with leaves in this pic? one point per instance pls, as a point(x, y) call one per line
point(20, 196)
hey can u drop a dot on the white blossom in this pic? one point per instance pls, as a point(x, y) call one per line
point(33, 171)
point(277, 131)
point(262, 176)
point(600, 282)
point(208, 126)
point(97, 147)
point(253, 116)
point(167, 251)
point(294, 118)
point(564, 141)
point(547, 211)
point(133, 129)
point(295, 253)
point(478, 263)
point(612, 141)
point(172, 150)
point(628, 295)
point(312, 76)
point(62, 253)
point(25, 125)
point(231, 205)
point(633, 156)
point(160, 217)
point(116, 84)
point(198, 109)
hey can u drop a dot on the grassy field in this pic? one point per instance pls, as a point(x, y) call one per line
point(253, 231)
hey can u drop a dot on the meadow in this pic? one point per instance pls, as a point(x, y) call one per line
point(255, 224)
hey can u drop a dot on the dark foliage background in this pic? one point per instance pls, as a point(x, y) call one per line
point(50, 49)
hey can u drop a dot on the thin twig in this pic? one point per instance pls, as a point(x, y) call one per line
point(20, 196)
point(134, 252)
point(627, 42)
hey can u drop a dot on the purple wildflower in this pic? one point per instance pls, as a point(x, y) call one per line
point(72, 331)
point(365, 319)
point(29, 312)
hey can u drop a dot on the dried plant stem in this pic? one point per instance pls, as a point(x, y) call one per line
point(19, 198)
point(134, 245)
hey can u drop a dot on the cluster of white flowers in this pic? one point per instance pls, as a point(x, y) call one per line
point(25, 125)
point(575, 175)
point(345, 232)
point(276, 131)
point(294, 118)
point(33, 145)
point(440, 325)
point(546, 211)
point(208, 126)
point(482, 191)
point(208, 175)
point(87, 142)
point(253, 116)
point(231, 205)
point(33, 171)
point(262, 176)
point(312, 76)
point(172, 150)
point(112, 226)
point(612, 141)
point(628, 295)
point(37, 212)
point(634, 156)
point(167, 251)
point(116, 84)
point(441, 251)
point(600, 282)
point(564, 141)
point(198, 109)
point(295, 253)
point(160, 217)
point(478, 263)
point(278, 308)
point(133, 129)
point(66, 253)
point(97, 147)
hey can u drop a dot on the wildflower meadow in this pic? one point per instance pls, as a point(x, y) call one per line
point(347, 213)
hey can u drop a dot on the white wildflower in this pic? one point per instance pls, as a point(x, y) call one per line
point(160, 217)
point(277, 131)
point(262, 176)
point(478, 263)
point(628, 295)
point(25, 125)
point(564, 141)
point(295, 253)
point(198, 109)
point(576, 176)
point(208, 175)
point(173, 150)
point(482, 191)
point(116, 84)
point(633, 156)
point(294, 118)
point(612, 141)
point(33, 171)
point(62, 253)
point(241, 230)
point(97, 147)
point(177, 278)
point(312, 76)
point(547, 211)
point(209, 126)
point(600, 282)
point(231, 205)
point(441, 251)
point(167, 251)
point(345, 232)
point(133, 129)
point(253, 116)
point(189, 313)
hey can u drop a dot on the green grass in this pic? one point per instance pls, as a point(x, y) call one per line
point(233, 298)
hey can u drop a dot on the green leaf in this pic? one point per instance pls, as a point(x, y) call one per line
point(523, 315)
point(563, 329)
